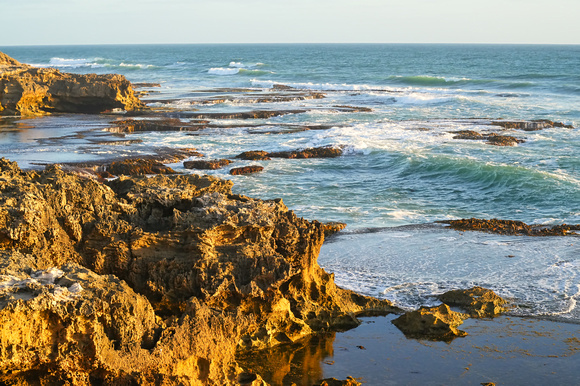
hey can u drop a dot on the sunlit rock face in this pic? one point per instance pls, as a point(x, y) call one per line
point(26, 90)
point(160, 278)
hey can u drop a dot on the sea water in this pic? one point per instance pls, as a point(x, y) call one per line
point(402, 169)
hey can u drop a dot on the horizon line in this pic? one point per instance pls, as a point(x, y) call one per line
point(287, 43)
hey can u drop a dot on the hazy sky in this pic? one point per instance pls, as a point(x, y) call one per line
point(26, 22)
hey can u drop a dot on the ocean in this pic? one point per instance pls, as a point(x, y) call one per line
point(402, 169)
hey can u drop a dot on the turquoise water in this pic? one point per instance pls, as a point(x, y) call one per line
point(401, 164)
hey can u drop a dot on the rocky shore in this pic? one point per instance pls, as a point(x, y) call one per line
point(173, 279)
point(27, 90)
point(155, 280)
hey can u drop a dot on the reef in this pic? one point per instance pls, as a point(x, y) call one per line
point(539, 124)
point(491, 138)
point(159, 280)
point(27, 90)
point(511, 227)
point(311, 152)
point(207, 164)
point(246, 170)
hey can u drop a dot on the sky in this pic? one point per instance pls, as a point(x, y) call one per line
point(61, 22)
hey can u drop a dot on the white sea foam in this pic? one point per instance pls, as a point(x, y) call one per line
point(223, 71)
point(318, 86)
point(236, 64)
point(538, 275)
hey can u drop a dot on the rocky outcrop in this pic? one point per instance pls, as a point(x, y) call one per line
point(207, 164)
point(510, 227)
point(491, 138)
point(130, 126)
point(539, 124)
point(433, 323)
point(246, 170)
point(26, 90)
point(440, 322)
point(164, 278)
point(254, 155)
point(479, 302)
point(311, 152)
point(137, 166)
point(349, 381)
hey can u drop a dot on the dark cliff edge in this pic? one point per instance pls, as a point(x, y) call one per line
point(29, 91)
point(158, 280)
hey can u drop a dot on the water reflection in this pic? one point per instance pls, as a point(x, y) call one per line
point(300, 363)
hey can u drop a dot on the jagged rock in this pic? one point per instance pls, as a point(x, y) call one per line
point(256, 114)
point(26, 90)
point(349, 381)
point(510, 227)
point(312, 152)
point(479, 302)
point(491, 138)
point(531, 125)
point(354, 109)
point(503, 140)
point(166, 124)
point(207, 164)
point(332, 227)
point(220, 271)
point(246, 170)
point(136, 166)
point(255, 155)
point(433, 323)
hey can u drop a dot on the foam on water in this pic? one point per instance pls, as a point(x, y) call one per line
point(410, 265)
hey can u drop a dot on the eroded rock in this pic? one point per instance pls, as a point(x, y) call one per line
point(433, 323)
point(491, 138)
point(137, 166)
point(510, 227)
point(539, 124)
point(207, 164)
point(213, 272)
point(349, 381)
point(479, 302)
point(26, 90)
point(254, 155)
point(246, 170)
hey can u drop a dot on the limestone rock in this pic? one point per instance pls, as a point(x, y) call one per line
point(246, 170)
point(332, 227)
point(433, 323)
point(26, 90)
point(531, 125)
point(255, 155)
point(136, 166)
point(220, 272)
point(510, 227)
point(349, 381)
point(312, 152)
point(207, 164)
point(479, 302)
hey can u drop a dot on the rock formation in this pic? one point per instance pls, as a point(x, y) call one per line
point(479, 302)
point(311, 152)
point(154, 280)
point(510, 227)
point(440, 322)
point(207, 164)
point(246, 170)
point(434, 323)
point(26, 90)
point(491, 138)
